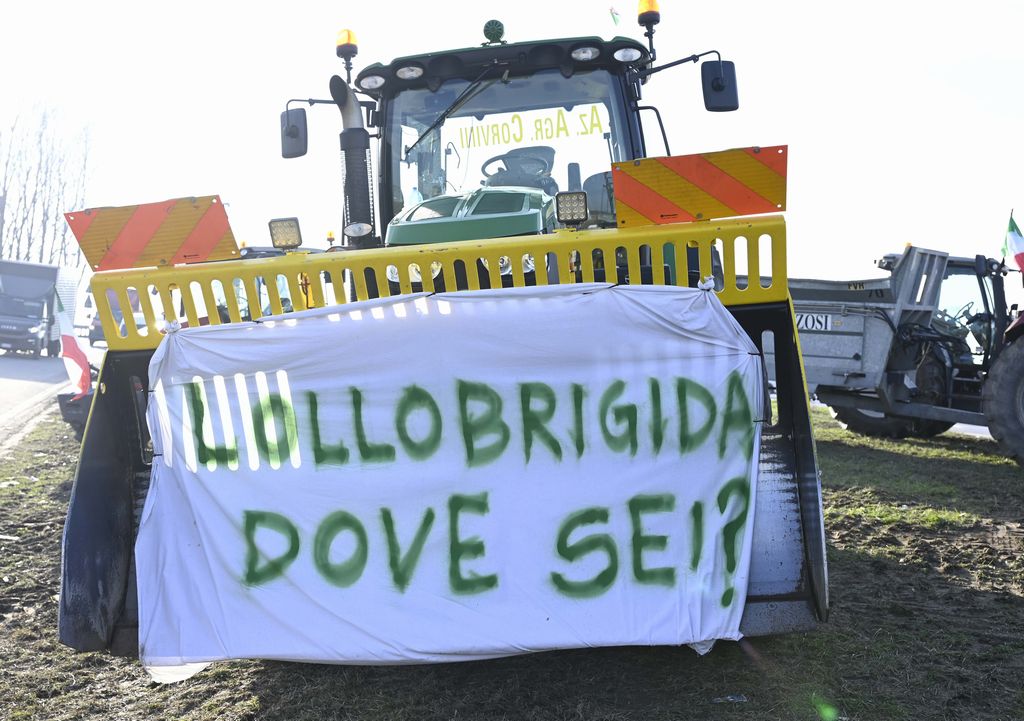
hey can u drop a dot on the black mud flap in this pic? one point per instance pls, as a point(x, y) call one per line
point(96, 610)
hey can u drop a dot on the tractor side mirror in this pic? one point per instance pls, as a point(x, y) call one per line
point(980, 266)
point(718, 78)
point(294, 139)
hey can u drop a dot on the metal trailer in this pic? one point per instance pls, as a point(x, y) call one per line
point(914, 353)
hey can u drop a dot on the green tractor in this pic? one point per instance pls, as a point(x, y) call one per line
point(509, 164)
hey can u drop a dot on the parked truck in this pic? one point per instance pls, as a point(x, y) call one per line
point(475, 152)
point(28, 307)
point(911, 354)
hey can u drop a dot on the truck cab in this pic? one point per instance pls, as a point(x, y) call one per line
point(27, 300)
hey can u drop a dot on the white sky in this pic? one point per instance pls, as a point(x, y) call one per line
point(903, 117)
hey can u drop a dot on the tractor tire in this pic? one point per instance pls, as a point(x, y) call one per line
point(873, 423)
point(931, 384)
point(1002, 401)
point(928, 428)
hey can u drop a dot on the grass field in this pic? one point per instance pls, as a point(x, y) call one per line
point(926, 576)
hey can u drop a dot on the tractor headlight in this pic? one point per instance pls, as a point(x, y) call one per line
point(371, 82)
point(414, 272)
point(585, 54)
point(37, 329)
point(409, 72)
point(627, 55)
point(505, 265)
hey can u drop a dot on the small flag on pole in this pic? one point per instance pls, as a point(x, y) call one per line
point(615, 15)
point(1013, 244)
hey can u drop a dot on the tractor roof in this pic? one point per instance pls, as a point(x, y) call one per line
point(518, 58)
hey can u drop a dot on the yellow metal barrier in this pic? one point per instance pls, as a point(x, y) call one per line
point(135, 304)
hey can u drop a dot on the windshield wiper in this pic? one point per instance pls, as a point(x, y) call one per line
point(461, 100)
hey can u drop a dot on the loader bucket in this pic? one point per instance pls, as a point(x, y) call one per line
point(788, 588)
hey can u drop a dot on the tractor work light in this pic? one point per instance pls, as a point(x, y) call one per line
point(285, 234)
point(347, 47)
point(409, 72)
point(627, 55)
point(585, 54)
point(571, 208)
point(371, 82)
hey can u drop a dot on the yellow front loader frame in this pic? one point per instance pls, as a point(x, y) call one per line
point(788, 588)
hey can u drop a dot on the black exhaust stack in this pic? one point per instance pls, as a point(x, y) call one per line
point(358, 227)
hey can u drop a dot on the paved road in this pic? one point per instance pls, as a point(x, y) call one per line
point(26, 384)
point(24, 381)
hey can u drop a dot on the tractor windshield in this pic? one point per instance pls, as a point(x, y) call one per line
point(543, 131)
point(965, 308)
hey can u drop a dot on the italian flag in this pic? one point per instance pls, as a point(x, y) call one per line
point(74, 357)
point(1014, 243)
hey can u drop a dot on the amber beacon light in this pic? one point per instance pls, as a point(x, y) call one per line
point(347, 46)
point(648, 14)
point(347, 49)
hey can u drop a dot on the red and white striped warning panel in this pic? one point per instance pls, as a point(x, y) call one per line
point(183, 230)
point(683, 188)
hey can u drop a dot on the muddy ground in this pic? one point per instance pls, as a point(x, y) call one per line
point(927, 584)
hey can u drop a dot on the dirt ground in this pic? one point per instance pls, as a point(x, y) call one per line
point(926, 576)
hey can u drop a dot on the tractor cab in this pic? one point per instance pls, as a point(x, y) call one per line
point(493, 133)
point(552, 116)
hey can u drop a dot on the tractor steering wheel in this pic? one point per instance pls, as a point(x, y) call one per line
point(517, 164)
point(964, 312)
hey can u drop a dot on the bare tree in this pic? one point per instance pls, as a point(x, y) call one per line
point(42, 176)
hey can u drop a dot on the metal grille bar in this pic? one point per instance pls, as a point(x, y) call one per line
point(135, 304)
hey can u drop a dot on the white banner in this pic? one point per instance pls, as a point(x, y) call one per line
point(448, 477)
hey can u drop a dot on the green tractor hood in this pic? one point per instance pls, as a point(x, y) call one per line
point(484, 213)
